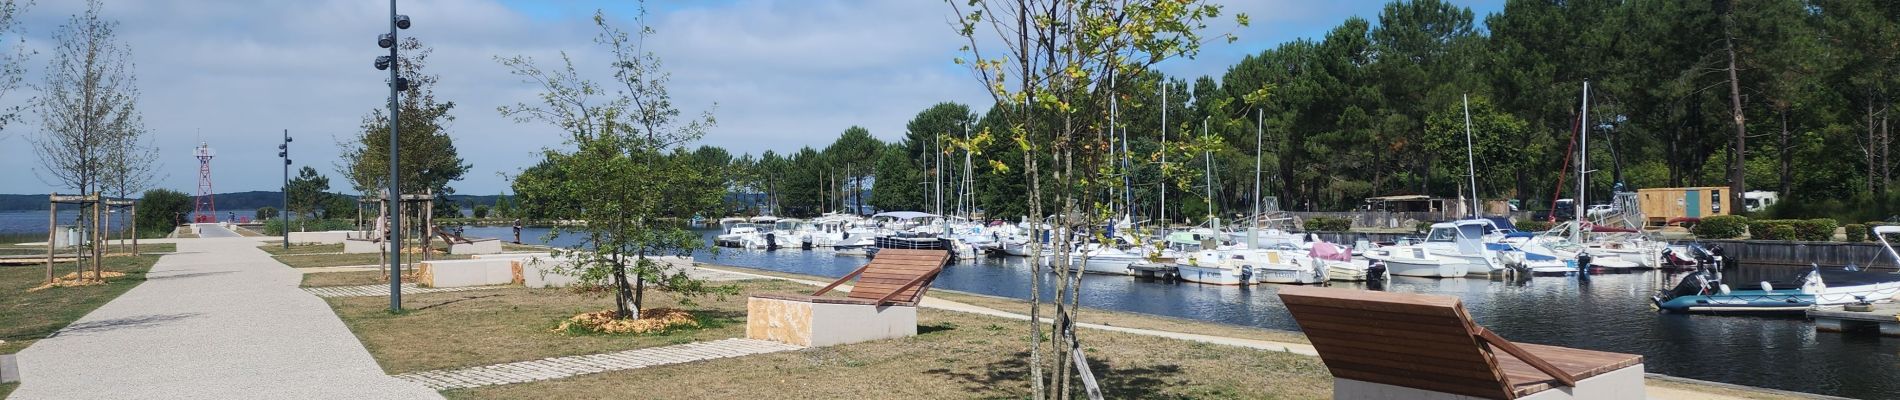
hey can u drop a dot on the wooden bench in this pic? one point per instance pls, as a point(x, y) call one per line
point(1381, 345)
point(881, 305)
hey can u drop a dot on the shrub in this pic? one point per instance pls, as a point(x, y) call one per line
point(1328, 224)
point(264, 213)
point(1779, 232)
point(1856, 232)
point(1815, 230)
point(1721, 227)
point(160, 211)
point(1763, 229)
point(481, 211)
point(1533, 226)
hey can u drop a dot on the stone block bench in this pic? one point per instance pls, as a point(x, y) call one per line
point(882, 304)
point(460, 273)
point(363, 246)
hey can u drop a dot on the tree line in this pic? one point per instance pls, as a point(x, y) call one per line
point(1792, 96)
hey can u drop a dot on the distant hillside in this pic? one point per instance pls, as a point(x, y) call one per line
point(226, 201)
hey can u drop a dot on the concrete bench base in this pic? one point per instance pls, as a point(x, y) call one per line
point(460, 273)
point(813, 324)
point(509, 256)
point(479, 246)
point(541, 272)
point(1625, 383)
point(322, 237)
point(363, 246)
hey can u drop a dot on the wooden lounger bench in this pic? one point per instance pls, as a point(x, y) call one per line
point(1381, 345)
point(881, 305)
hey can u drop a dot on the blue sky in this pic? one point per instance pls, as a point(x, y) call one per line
point(778, 74)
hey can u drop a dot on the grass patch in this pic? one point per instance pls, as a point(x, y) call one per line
point(351, 278)
point(26, 317)
point(956, 355)
point(276, 248)
point(184, 232)
point(465, 329)
point(20, 250)
point(511, 247)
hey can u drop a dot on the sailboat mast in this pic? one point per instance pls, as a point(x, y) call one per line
point(1258, 145)
point(1471, 164)
point(1209, 155)
point(1164, 154)
point(1583, 161)
point(969, 183)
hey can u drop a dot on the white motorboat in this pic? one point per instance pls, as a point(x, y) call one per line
point(1206, 266)
point(1099, 259)
point(1459, 241)
point(1340, 265)
point(1415, 260)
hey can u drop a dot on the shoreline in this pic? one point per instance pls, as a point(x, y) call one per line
point(1710, 389)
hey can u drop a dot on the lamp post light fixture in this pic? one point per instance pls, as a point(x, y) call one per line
point(397, 84)
point(283, 151)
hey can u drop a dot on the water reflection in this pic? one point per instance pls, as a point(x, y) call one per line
point(1603, 311)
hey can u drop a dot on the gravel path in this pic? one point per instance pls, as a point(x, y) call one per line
point(218, 320)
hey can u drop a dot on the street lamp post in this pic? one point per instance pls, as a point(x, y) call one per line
point(283, 151)
point(394, 196)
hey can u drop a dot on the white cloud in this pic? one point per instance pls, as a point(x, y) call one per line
point(783, 73)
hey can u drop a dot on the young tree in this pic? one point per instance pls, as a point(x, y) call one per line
point(429, 159)
point(13, 64)
point(1057, 62)
point(91, 131)
point(308, 193)
point(626, 172)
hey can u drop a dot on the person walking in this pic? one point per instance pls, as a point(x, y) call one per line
point(517, 231)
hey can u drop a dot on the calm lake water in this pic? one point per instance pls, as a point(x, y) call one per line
point(1608, 312)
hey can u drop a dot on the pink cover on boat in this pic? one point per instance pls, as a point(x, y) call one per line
point(1329, 251)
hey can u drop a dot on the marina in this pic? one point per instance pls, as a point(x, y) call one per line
point(1607, 311)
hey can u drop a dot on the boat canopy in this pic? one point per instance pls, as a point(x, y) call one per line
point(904, 215)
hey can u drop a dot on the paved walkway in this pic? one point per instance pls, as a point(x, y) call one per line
point(562, 367)
point(219, 319)
point(209, 231)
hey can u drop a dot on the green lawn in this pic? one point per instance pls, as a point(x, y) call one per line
point(29, 316)
point(19, 250)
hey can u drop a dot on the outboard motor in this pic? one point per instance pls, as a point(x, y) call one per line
point(805, 242)
point(1246, 274)
point(1583, 265)
point(1376, 271)
point(771, 241)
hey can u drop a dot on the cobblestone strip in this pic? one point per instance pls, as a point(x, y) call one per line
point(383, 290)
point(562, 367)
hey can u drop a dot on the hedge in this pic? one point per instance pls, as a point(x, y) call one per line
point(1815, 230)
point(1721, 227)
point(1777, 232)
point(1328, 224)
point(1856, 232)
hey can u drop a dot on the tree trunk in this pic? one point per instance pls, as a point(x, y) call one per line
point(1737, 175)
point(1871, 162)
